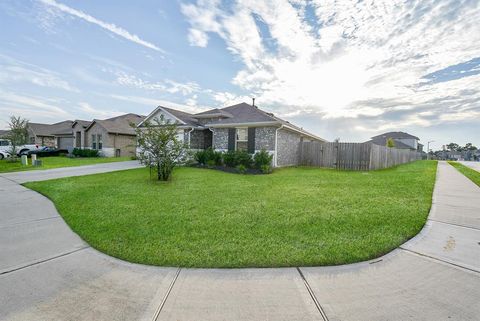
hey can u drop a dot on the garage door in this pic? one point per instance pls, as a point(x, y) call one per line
point(65, 142)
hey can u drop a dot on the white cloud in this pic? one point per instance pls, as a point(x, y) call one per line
point(352, 60)
point(95, 112)
point(165, 86)
point(197, 38)
point(13, 70)
point(105, 25)
point(34, 108)
point(152, 103)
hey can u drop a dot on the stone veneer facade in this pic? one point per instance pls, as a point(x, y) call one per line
point(288, 148)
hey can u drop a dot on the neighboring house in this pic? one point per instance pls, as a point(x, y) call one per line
point(57, 135)
point(402, 140)
point(239, 127)
point(4, 133)
point(78, 128)
point(112, 137)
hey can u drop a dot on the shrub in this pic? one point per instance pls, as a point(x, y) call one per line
point(214, 156)
point(78, 152)
point(241, 168)
point(211, 163)
point(266, 169)
point(244, 158)
point(230, 158)
point(201, 157)
point(262, 159)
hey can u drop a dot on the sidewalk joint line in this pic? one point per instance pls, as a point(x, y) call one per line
point(440, 260)
point(160, 307)
point(32, 221)
point(459, 225)
point(43, 261)
point(312, 295)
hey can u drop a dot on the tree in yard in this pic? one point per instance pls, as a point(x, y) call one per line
point(452, 147)
point(390, 142)
point(18, 134)
point(469, 146)
point(160, 147)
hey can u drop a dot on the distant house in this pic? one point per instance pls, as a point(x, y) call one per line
point(111, 137)
point(4, 133)
point(239, 127)
point(402, 140)
point(57, 135)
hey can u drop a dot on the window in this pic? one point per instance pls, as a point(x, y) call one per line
point(100, 142)
point(32, 140)
point(94, 141)
point(241, 139)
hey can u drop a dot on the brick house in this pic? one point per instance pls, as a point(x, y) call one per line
point(58, 135)
point(113, 137)
point(239, 127)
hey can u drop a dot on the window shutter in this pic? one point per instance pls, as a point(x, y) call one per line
point(251, 140)
point(231, 139)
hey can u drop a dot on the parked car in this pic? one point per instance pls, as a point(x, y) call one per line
point(6, 146)
point(43, 152)
point(4, 154)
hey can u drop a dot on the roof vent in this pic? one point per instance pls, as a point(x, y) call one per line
point(253, 102)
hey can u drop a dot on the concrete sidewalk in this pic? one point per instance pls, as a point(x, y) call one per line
point(43, 175)
point(48, 273)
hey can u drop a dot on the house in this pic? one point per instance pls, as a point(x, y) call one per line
point(111, 137)
point(402, 140)
point(57, 135)
point(238, 127)
point(78, 128)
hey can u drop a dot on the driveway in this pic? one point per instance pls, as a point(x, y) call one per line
point(48, 273)
point(472, 165)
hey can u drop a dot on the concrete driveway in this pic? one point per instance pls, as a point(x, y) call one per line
point(48, 273)
point(472, 165)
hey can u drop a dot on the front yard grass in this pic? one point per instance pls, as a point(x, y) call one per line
point(55, 162)
point(472, 174)
point(206, 218)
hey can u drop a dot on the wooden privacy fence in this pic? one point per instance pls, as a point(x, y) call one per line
point(353, 156)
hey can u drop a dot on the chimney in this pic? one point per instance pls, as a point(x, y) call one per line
point(253, 102)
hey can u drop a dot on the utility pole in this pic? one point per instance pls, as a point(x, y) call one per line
point(428, 148)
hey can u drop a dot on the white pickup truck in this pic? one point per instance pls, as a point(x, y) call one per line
point(6, 148)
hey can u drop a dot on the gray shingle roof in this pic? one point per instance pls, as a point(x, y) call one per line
point(120, 124)
point(244, 113)
point(382, 141)
point(396, 135)
point(83, 123)
point(183, 116)
point(4, 132)
point(61, 128)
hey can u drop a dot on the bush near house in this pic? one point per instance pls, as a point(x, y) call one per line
point(242, 161)
point(78, 152)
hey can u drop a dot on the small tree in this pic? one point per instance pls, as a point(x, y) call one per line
point(18, 134)
point(390, 142)
point(160, 147)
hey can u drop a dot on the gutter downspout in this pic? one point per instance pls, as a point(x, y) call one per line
point(189, 138)
point(275, 163)
point(213, 132)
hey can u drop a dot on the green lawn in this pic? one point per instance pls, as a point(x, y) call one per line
point(472, 174)
point(55, 162)
point(208, 218)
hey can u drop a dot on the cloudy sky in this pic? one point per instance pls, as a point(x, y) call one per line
point(341, 69)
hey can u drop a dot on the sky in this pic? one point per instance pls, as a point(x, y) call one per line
point(340, 69)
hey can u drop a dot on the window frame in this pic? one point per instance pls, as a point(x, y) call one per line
point(94, 141)
point(99, 141)
point(237, 140)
